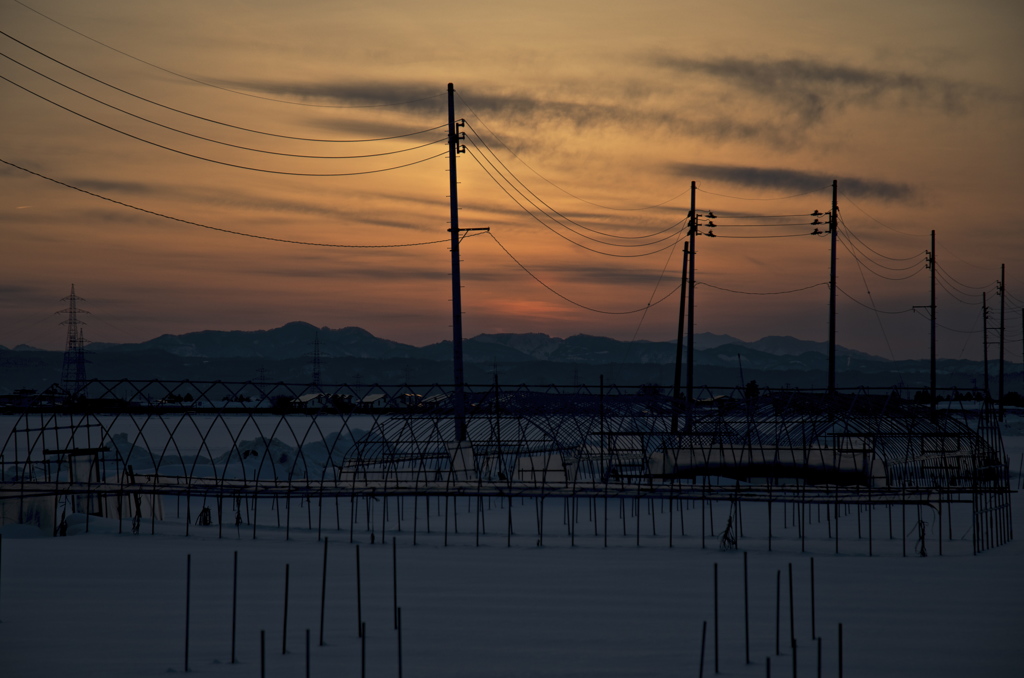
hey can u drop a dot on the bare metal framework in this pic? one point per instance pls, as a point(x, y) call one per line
point(131, 446)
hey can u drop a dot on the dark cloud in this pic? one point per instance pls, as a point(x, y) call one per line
point(408, 96)
point(781, 179)
point(811, 89)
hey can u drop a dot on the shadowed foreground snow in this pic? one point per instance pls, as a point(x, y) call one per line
point(106, 604)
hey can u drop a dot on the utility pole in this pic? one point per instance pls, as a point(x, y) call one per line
point(454, 137)
point(833, 227)
point(689, 310)
point(984, 340)
point(932, 366)
point(1002, 333)
point(677, 381)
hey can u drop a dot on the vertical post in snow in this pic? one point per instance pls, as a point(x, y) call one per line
point(263, 653)
point(362, 649)
point(819, 657)
point(323, 594)
point(394, 578)
point(746, 610)
point(840, 651)
point(814, 633)
point(234, 606)
point(703, 638)
point(716, 616)
point(284, 626)
point(359, 596)
point(188, 602)
point(398, 613)
point(778, 606)
point(307, 653)
point(792, 630)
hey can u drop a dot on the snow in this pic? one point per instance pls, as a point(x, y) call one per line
point(105, 603)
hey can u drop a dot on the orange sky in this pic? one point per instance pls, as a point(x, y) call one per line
point(915, 107)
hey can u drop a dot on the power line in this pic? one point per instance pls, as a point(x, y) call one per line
point(215, 141)
point(211, 120)
point(220, 162)
point(220, 87)
point(575, 197)
point(878, 221)
point(850, 232)
point(762, 294)
point(571, 301)
point(552, 210)
point(783, 197)
point(872, 308)
point(548, 227)
point(212, 228)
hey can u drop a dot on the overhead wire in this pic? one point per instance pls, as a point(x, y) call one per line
point(763, 294)
point(553, 184)
point(552, 230)
point(552, 210)
point(213, 228)
point(849, 231)
point(221, 87)
point(212, 120)
point(220, 162)
point(568, 299)
point(215, 141)
point(783, 197)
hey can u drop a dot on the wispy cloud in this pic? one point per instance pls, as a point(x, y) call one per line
point(796, 181)
point(811, 90)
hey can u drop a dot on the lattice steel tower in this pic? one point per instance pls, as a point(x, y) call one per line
point(72, 374)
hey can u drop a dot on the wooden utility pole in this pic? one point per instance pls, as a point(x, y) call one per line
point(932, 366)
point(833, 227)
point(459, 400)
point(677, 381)
point(984, 340)
point(1002, 333)
point(689, 310)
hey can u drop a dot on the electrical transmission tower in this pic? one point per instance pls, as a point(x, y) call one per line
point(72, 374)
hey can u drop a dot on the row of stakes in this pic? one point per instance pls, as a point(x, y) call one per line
point(778, 624)
point(323, 599)
point(398, 617)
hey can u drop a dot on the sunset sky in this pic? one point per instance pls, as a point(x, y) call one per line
point(586, 122)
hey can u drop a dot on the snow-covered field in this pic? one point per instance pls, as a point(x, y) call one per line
point(110, 604)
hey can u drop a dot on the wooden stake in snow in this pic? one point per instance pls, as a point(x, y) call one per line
point(703, 637)
point(188, 602)
point(323, 594)
point(284, 626)
point(234, 606)
point(359, 596)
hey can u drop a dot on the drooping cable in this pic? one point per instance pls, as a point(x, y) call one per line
point(536, 218)
point(553, 184)
point(221, 162)
point(552, 210)
point(211, 120)
point(572, 301)
point(213, 228)
point(215, 86)
point(215, 141)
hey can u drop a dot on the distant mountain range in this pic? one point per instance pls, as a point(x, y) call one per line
point(295, 340)
point(352, 354)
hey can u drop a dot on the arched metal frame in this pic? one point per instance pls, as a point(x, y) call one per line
point(253, 442)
